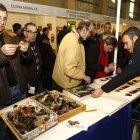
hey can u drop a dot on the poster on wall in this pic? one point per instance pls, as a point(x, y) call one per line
point(71, 24)
point(40, 28)
point(49, 25)
point(102, 26)
point(98, 26)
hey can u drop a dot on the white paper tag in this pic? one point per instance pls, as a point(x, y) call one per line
point(31, 90)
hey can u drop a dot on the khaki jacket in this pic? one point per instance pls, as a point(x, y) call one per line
point(69, 68)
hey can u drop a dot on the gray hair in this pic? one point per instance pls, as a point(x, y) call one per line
point(84, 24)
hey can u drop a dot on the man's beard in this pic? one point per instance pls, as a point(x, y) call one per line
point(81, 40)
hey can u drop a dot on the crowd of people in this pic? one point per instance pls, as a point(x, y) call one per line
point(29, 66)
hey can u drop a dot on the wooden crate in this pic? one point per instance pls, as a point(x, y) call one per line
point(71, 113)
point(35, 132)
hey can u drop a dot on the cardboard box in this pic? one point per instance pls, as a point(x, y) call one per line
point(28, 102)
point(81, 107)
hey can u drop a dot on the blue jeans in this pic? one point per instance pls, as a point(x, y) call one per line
point(16, 96)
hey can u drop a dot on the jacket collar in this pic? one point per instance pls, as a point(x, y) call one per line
point(79, 38)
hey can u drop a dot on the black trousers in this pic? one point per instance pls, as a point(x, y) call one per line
point(55, 86)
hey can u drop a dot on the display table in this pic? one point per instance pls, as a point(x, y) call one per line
point(111, 121)
point(107, 103)
point(125, 89)
point(107, 117)
point(62, 131)
point(115, 127)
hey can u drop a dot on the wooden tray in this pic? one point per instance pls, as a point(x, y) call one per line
point(35, 132)
point(71, 113)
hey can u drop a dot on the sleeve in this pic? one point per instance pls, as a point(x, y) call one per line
point(72, 66)
point(92, 55)
point(3, 58)
point(26, 58)
point(131, 71)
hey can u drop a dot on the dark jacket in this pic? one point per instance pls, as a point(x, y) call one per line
point(131, 71)
point(17, 67)
point(91, 58)
point(45, 39)
point(33, 66)
point(92, 51)
point(61, 35)
point(123, 55)
point(48, 60)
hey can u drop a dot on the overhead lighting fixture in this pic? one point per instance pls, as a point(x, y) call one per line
point(113, 1)
point(131, 9)
point(124, 24)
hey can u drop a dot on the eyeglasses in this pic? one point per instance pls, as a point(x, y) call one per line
point(32, 32)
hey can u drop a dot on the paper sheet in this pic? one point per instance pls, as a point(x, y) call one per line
point(62, 131)
point(107, 103)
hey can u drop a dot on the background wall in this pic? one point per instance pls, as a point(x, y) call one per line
point(42, 15)
point(56, 22)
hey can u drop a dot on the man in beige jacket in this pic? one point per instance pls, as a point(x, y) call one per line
point(69, 68)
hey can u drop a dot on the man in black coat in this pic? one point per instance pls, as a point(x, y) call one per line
point(61, 34)
point(48, 60)
point(131, 40)
point(95, 53)
point(33, 69)
point(13, 84)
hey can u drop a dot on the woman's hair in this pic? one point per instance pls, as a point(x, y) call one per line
point(111, 40)
point(131, 32)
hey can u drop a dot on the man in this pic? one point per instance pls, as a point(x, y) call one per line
point(69, 68)
point(93, 38)
point(45, 34)
point(62, 33)
point(96, 56)
point(33, 66)
point(94, 34)
point(131, 40)
point(48, 59)
point(10, 67)
point(18, 30)
point(122, 56)
point(13, 85)
point(102, 36)
point(107, 31)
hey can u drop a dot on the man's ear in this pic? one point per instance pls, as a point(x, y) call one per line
point(135, 38)
point(24, 32)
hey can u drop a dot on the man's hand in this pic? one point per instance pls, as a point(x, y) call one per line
point(87, 79)
point(119, 70)
point(23, 46)
point(111, 67)
point(106, 70)
point(9, 49)
point(97, 93)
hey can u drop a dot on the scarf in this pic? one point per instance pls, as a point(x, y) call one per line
point(102, 60)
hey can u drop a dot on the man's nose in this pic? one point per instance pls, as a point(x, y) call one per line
point(2, 21)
